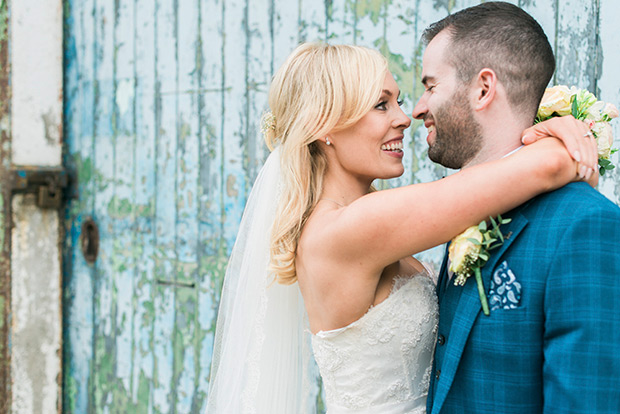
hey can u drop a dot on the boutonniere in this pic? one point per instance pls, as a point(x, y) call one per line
point(583, 105)
point(469, 252)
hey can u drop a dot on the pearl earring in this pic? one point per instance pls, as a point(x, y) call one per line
point(327, 141)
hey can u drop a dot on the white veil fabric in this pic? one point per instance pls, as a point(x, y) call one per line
point(262, 358)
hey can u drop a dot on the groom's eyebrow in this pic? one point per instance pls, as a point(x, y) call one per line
point(427, 79)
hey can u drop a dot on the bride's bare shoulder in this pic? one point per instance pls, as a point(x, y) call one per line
point(319, 230)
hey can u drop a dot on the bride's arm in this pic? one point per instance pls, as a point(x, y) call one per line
point(384, 226)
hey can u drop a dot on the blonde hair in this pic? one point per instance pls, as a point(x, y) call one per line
point(319, 89)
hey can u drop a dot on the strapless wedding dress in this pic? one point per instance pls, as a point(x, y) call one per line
point(381, 363)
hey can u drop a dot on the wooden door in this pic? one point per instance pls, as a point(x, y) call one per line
point(163, 100)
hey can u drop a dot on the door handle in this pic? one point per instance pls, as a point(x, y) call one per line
point(90, 240)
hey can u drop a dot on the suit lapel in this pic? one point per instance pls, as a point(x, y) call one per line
point(467, 311)
point(442, 281)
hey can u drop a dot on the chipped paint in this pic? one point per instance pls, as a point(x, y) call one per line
point(5, 212)
point(162, 106)
point(35, 304)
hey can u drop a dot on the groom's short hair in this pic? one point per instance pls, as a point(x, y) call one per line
point(502, 37)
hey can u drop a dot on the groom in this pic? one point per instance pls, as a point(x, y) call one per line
point(552, 342)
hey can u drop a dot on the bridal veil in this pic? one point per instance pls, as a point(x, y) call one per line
point(262, 358)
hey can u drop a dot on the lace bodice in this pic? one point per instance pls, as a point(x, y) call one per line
point(381, 363)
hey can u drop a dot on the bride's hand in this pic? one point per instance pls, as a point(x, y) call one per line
point(577, 138)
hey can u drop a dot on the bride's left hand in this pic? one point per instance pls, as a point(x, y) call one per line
point(577, 138)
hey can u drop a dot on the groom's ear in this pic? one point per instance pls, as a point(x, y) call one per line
point(485, 86)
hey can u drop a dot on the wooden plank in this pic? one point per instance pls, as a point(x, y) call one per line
point(188, 169)
point(5, 210)
point(235, 115)
point(145, 187)
point(165, 204)
point(36, 83)
point(34, 369)
point(312, 21)
point(213, 249)
point(105, 352)
point(79, 384)
point(122, 209)
point(341, 20)
point(259, 58)
point(36, 135)
point(608, 84)
point(285, 27)
point(576, 43)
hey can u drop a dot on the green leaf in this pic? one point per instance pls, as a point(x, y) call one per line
point(483, 256)
point(482, 226)
point(493, 222)
point(474, 241)
point(574, 106)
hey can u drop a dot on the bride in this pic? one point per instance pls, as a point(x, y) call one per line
point(322, 263)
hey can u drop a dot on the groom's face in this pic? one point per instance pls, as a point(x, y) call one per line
point(454, 135)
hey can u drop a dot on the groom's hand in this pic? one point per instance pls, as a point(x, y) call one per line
point(577, 138)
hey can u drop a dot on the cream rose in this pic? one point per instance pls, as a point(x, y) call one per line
point(595, 112)
point(611, 111)
point(604, 139)
point(463, 252)
point(556, 99)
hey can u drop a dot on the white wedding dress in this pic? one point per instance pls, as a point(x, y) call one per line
point(262, 361)
point(381, 363)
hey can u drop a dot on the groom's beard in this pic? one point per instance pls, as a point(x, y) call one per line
point(458, 136)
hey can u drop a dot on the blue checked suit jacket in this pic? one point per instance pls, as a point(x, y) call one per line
point(557, 350)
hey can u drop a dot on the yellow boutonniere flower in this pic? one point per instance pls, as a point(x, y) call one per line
point(469, 252)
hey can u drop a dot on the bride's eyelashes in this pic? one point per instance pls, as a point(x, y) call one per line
point(383, 104)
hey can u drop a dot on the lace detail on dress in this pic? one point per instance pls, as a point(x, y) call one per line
point(383, 359)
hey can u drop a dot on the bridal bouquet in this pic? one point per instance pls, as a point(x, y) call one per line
point(583, 105)
point(469, 252)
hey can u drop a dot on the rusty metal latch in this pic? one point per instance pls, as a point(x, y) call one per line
point(47, 183)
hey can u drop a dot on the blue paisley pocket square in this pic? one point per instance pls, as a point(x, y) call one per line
point(505, 292)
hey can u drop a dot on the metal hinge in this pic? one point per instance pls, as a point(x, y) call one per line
point(47, 183)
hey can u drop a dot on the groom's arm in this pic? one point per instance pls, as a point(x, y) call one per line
point(581, 372)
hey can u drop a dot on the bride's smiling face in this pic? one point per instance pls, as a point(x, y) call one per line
point(373, 147)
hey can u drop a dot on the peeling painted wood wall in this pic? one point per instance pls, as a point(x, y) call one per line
point(31, 105)
point(5, 210)
point(162, 107)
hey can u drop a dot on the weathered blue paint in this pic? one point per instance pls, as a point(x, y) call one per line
point(162, 107)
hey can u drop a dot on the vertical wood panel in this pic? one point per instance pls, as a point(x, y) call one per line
point(5, 210)
point(213, 247)
point(312, 20)
point(164, 103)
point(259, 60)
point(78, 287)
point(235, 114)
point(340, 21)
point(106, 317)
point(576, 43)
point(122, 209)
point(286, 31)
point(145, 184)
point(186, 300)
point(165, 204)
